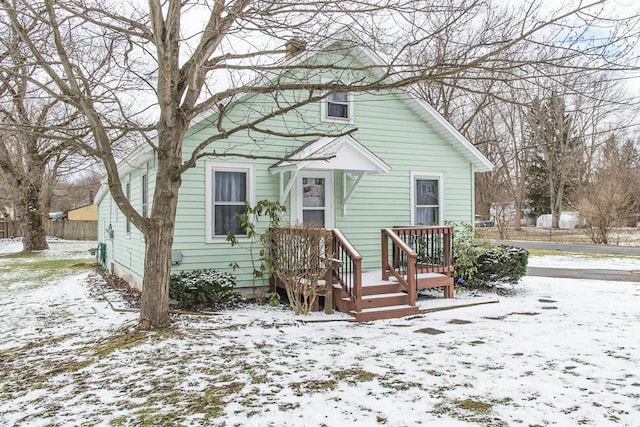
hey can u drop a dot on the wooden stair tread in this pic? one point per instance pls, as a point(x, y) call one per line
point(388, 308)
point(423, 276)
point(387, 295)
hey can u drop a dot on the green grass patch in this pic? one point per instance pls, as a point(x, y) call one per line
point(36, 269)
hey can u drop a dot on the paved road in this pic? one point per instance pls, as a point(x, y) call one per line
point(583, 273)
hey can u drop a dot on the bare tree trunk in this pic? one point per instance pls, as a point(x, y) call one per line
point(517, 219)
point(34, 234)
point(154, 309)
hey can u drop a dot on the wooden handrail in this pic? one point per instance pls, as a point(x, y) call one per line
point(348, 268)
point(409, 280)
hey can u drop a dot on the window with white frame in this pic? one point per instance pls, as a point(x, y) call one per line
point(338, 106)
point(144, 193)
point(228, 188)
point(127, 194)
point(426, 200)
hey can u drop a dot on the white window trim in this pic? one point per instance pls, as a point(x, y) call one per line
point(327, 119)
point(415, 175)
point(127, 194)
point(210, 167)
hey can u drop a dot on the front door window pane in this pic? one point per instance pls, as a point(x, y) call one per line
point(313, 217)
point(313, 192)
point(313, 201)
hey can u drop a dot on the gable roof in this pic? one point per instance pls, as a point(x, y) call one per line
point(430, 115)
point(342, 152)
point(371, 59)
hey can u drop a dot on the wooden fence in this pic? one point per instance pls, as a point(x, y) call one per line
point(69, 230)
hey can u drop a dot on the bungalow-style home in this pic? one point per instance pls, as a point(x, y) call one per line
point(402, 166)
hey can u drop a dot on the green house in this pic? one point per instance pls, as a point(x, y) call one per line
point(402, 164)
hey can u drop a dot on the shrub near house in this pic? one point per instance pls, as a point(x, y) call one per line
point(482, 264)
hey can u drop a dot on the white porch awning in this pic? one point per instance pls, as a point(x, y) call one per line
point(340, 153)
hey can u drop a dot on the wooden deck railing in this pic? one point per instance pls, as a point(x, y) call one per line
point(401, 265)
point(410, 252)
point(432, 245)
point(347, 270)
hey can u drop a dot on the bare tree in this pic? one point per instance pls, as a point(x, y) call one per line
point(31, 156)
point(194, 58)
point(609, 199)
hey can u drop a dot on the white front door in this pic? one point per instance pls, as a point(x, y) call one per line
point(314, 201)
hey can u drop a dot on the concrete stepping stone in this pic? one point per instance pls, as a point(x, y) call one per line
point(430, 331)
point(459, 322)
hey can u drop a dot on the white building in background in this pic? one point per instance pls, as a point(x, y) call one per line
point(568, 220)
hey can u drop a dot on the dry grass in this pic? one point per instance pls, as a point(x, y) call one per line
point(620, 236)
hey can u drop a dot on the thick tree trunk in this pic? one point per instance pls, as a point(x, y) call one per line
point(517, 219)
point(34, 236)
point(154, 308)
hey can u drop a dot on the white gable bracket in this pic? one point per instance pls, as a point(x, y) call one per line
point(284, 192)
point(348, 194)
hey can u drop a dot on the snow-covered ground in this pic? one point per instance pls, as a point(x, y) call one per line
point(559, 352)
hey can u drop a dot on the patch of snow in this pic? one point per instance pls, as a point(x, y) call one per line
point(558, 352)
point(586, 261)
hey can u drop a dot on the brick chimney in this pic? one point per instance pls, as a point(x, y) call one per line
point(294, 46)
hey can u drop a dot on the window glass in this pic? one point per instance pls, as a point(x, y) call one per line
point(313, 217)
point(127, 194)
point(338, 105)
point(313, 192)
point(427, 202)
point(145, 195)
point(427, 191)
point(230, 194)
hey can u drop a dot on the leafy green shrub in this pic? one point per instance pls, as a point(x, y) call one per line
point(501, 264)
point(482, 264)
point(204, 288)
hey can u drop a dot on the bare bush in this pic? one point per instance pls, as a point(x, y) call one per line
point(609, 199)
point(301, 258)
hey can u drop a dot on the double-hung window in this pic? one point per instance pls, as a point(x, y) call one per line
point(426, 199)
point(127, 194)
point(229, 187)
point(338, 106)
point(144, 190)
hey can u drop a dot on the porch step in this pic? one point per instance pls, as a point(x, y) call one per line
point(385, 300)
point(390, 312)
point(383, 288)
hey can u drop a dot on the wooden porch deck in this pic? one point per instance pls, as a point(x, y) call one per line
point(413, 258)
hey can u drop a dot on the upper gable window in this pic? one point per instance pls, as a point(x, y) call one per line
point(338, 106)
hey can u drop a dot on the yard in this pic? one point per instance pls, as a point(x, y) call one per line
point(558, 352)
